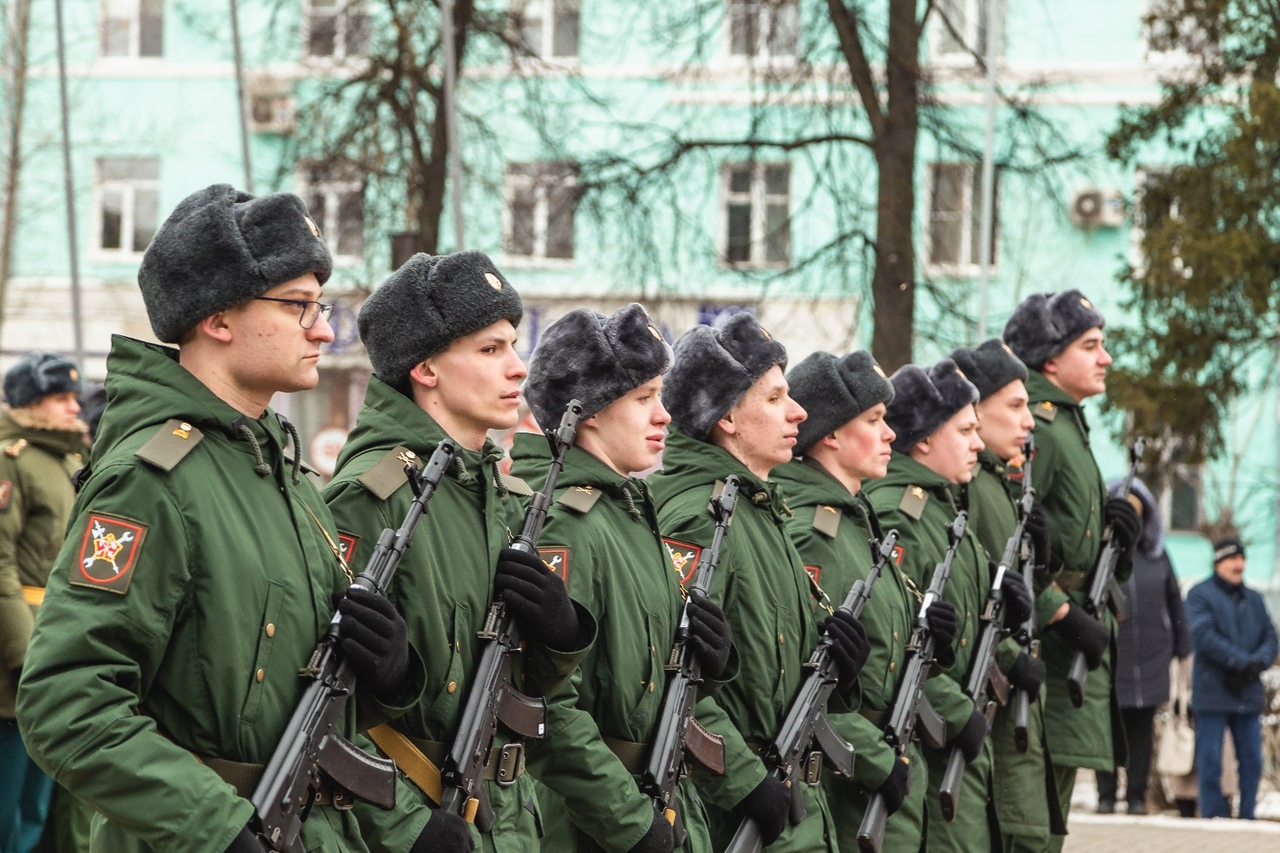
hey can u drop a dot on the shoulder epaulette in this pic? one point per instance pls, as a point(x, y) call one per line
point(17, 447)
point(387, 474)
point(580, 499)
point(914, 500)
point(170, 445)
point(515, 485)
point(1045, 411)
point(826, 520)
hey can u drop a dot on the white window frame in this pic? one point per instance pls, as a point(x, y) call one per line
point(765, 10)
point(331, 185)
point(135, 33)
point(128, 189)
point(969, 30)
point(552, 174)
point(758, 197)
point(342, 14)
point(549, 11)
point(969, 263)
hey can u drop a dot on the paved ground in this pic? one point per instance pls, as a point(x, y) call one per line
point(1091, 833)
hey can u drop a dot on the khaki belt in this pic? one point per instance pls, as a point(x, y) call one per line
point(631, 754)
point(239, 775)
point(877, 718)
point(1071, 581)
point(420, 760)
point(33, 595)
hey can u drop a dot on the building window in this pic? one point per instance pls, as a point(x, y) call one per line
point(756, 226)
point(764, 29)
point(128, 201)
point(337, 29)
point(955, 217)
point(960, 29)
point(132, 28)
point(541, 201)
point(549, 28)
point(335, 200)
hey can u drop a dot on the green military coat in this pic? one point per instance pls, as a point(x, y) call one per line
point(602, 537)
point(836, 534)
point(1025, 796)
point(36, 464)
point(921, 505)
point(187, 595)
point(1070, 486)
point(763, 588)
point(445, 582)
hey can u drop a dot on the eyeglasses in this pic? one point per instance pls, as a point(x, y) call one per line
point(311, 310)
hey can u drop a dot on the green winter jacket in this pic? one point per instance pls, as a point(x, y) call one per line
point(1068, 483)
point(602, 536)
point(445, 582)
point(187, 595)
point(764, 590)
point(35, 503)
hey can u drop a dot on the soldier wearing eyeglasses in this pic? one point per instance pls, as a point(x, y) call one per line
point(200, 565)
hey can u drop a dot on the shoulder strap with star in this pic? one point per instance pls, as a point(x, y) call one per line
point(170, 444)
point(826, 520)
point(580, 499)
point(1045, 411)
point(914, 500)
point(387, 474)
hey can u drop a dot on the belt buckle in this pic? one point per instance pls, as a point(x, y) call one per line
point(813, 767)
point(510, 764)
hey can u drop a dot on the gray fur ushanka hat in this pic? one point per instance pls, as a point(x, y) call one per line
point(925, 400)
point(221, 247)
point(1045, 324)
point(713, 368)
point(989, 366)
point(37, 375)
point(594, 359)
point(834, 391)
point(429, 303)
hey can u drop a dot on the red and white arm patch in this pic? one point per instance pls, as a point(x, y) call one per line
point(557, 560)
point(815, 573)
point(347, 543)
point(108, 552)
point(897, 554)
point(684, 557)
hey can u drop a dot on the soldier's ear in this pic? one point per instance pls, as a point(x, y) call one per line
point(424, 373)
point(216, 327)
point(727, 424)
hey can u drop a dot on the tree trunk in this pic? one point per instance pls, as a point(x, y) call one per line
point(432, 184)
point(12, 164)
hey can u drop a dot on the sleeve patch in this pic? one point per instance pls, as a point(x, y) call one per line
point(897, 554)
point(347, 543)
point(684, 557)
point(815, 573)
point(108, 552)
point(557, 560)
point(6, 494)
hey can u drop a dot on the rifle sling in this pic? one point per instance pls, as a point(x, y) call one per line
point(1071, 581)
point(630, 753)
point(420, 759)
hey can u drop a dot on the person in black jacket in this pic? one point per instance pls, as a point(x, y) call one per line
point(1152, 635)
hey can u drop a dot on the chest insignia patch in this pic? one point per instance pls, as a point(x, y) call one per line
point(684, 557)
point(347, 543)
point(897, 555)
point(108, 552)
point(557, 560)
point(6, 494)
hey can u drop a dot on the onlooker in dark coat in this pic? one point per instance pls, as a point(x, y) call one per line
point(1154, 632)
point(1235, 641)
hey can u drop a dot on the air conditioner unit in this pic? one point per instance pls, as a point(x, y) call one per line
point(1093, 207)
point(270, 107)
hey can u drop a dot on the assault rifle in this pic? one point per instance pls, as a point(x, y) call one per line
point(981, 670)
point(677, 730)
point(311, 751)
point(806, 736)
point(1104, 575)
point(921, 651)
point(493, 699)
point(1026, 634)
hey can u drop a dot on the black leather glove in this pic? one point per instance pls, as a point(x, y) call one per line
point(969, 740)
point(1084, 634)
point(941, 619)
point(849, 648)
point(246, 842)
point(1039, 531)
point(1027, 673)
point(768, 804)
point(1126, 527)
point(374, 639)
point(445, 832)
point(537, 599)
point(710, 637)
point(659, 838)
point(896, 787)
point(1017, 600)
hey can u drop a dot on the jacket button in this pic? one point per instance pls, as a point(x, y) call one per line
point(457, 645)
point(781, 639)
point(453, 686)
point(964, 641)
point(260, 674)
point(271, 629)
point(891, 666)
point(895, 635)
point(650, 686)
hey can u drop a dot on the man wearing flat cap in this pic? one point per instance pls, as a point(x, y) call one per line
point(198, 569)
point(731, 413)
point(935, 451)
point(441, 334)
point(1025, 802)
point(1235, 642)
point(844, 443)
point(601, 535)
point(1059, 337)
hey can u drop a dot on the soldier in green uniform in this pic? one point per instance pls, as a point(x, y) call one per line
point(1058, 336)
point(42, 438)
point(441, 333)
point(200, 565)
point(732, 415)
point(936, 450)
point(843, 443)
point(1025, 799)
point(602, 538)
